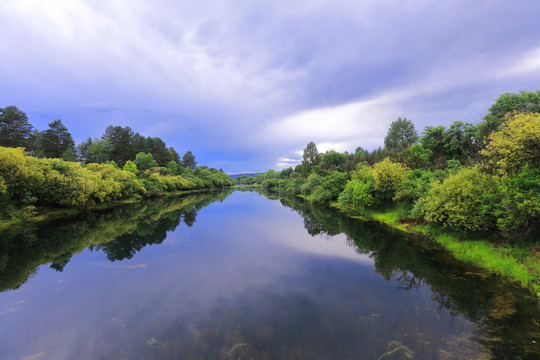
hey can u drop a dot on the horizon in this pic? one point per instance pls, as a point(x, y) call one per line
point(245, 86)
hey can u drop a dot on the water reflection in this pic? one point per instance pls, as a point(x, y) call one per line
point(247, 281)
point(507, 317)
point(120, 232)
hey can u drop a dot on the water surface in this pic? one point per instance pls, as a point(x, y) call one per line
point(223, 276)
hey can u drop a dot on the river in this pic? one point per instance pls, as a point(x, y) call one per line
point(246, 275)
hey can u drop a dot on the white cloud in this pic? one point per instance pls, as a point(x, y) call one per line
point(363, 121)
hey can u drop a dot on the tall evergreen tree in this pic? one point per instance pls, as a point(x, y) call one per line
point(120, 144)
point(57, 140)
point(188, 160)
point(14, 127)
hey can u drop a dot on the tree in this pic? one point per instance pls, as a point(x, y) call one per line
point(333, 160)
point(131, 167)
point(389, 177)
point(120, 143)
point(174, 155)
point(188, 161)
point(14, 127)
point(56, 140)
point(34, 143)
point(401, 134)
point(159, 150)
point(145, 161)
point(517, 143)
point(508, 103)
point(460, 142)
point(311, 154)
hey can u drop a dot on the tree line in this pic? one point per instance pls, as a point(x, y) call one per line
point(472, 177)
point(46, 169)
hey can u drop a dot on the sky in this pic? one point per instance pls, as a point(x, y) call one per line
point(245, 85)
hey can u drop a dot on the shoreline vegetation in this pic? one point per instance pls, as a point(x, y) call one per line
point(45, 170)
point(472, 188)
point(31, 188)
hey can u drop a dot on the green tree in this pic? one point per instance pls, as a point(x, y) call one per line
point(145, 161)
point(188, 161)
point(460, 142)
point(14, 127)
point(389, 178)
point(131, 167)
point(56, 140)
point(333, 160)
point(516, 144)
point(401, 135)
point(311, 154)
point(508, 103)
point(34, 143)
point(433, 140)
point(119, 143)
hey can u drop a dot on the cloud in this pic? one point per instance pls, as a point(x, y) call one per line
point(244, 83)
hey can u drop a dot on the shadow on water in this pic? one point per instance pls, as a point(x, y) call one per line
point(506, 316)
point(119, 232)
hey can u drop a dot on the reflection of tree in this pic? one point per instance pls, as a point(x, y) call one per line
point(497, 307)
point(120, 232)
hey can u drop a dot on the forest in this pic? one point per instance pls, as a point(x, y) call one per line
point(475, 182)
point(464, 176)
point(45, 169)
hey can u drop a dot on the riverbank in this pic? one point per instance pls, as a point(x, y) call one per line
point(519, 262)
point(46, 214)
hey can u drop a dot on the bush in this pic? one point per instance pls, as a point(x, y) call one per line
point(462, 201)
point(389, 178)
point(330, 187)
point(357, 194)
point(519, 209)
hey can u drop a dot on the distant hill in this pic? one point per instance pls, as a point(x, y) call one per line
point(235, 176)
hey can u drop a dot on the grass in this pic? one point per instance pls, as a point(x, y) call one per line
point(517, 262)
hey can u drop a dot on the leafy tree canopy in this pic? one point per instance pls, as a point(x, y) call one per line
point(508, 103)
point(311, 154)
point(401, 135)
point(517, 143)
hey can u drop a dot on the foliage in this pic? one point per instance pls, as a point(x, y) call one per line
point(416, 156)
point(517, 143)
point(188, 161)
point(26, 182)
point(507, 104)
point(389, 177)
point(56, 141)
point(311, 154)
point(145, 161)
point(519, 209)
point(131, 167)
point(329, 188)
point(333, 161)
point(462, 201)
point(357, 194)
point(401, 135)
point(417, 184)
point(14, 127)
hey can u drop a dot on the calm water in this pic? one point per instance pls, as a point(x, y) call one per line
point(241, 276)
